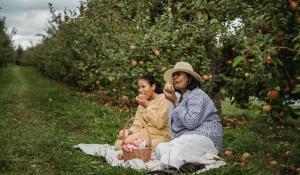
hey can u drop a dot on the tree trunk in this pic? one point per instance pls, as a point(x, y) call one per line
point(215, 92)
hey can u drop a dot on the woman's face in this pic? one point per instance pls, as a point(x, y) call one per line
point(146, 89)
point(180, 81)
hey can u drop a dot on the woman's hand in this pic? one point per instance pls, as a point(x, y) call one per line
point(141, 100)
point(127, 133)
point(170, 95)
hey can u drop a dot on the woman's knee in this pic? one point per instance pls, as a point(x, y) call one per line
point(161, 149)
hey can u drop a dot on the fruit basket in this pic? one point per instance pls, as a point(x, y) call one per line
point(140, 153)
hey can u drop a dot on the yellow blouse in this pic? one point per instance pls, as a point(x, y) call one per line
point(155, 116)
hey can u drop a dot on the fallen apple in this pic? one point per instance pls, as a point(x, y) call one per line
point(286, 154)
point(134, 62)
point(273, 162)
point(243, 160)
point(132, 47)
point(246, 155)
point(228, 154)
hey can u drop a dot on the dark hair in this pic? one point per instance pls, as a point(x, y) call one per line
point(193, 83)
point(152, 81)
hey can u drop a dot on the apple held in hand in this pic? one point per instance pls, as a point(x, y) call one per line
point(142, 96)
point(168, 87)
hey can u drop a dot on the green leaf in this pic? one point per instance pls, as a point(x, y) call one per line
point(277, 88)
point(296, 89)
point(237, 60)
point(279, 62)
point(214, 21)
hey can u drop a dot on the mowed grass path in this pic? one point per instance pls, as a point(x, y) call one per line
point(40, 121)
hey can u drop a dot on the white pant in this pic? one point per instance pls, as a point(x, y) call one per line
point(186, 148)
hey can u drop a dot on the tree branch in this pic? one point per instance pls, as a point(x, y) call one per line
point(287, 48)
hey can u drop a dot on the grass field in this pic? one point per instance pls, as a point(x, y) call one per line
point(40, 121)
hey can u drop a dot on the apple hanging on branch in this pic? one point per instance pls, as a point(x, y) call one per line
point(293, 5)
point(272, 94)
point(267, 108)
point(269, 60)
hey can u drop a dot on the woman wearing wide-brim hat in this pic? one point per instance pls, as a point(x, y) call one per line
point(195, 125)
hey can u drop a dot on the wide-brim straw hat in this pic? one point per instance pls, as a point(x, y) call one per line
point(181, 67)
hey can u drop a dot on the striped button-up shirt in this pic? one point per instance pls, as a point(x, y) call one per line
point(196, 114)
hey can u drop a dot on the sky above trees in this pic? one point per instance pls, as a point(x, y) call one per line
point(29, 17)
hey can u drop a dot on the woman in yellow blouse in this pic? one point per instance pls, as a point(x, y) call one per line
point(152, 110)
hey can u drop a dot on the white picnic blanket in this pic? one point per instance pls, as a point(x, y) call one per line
point(110, 154)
